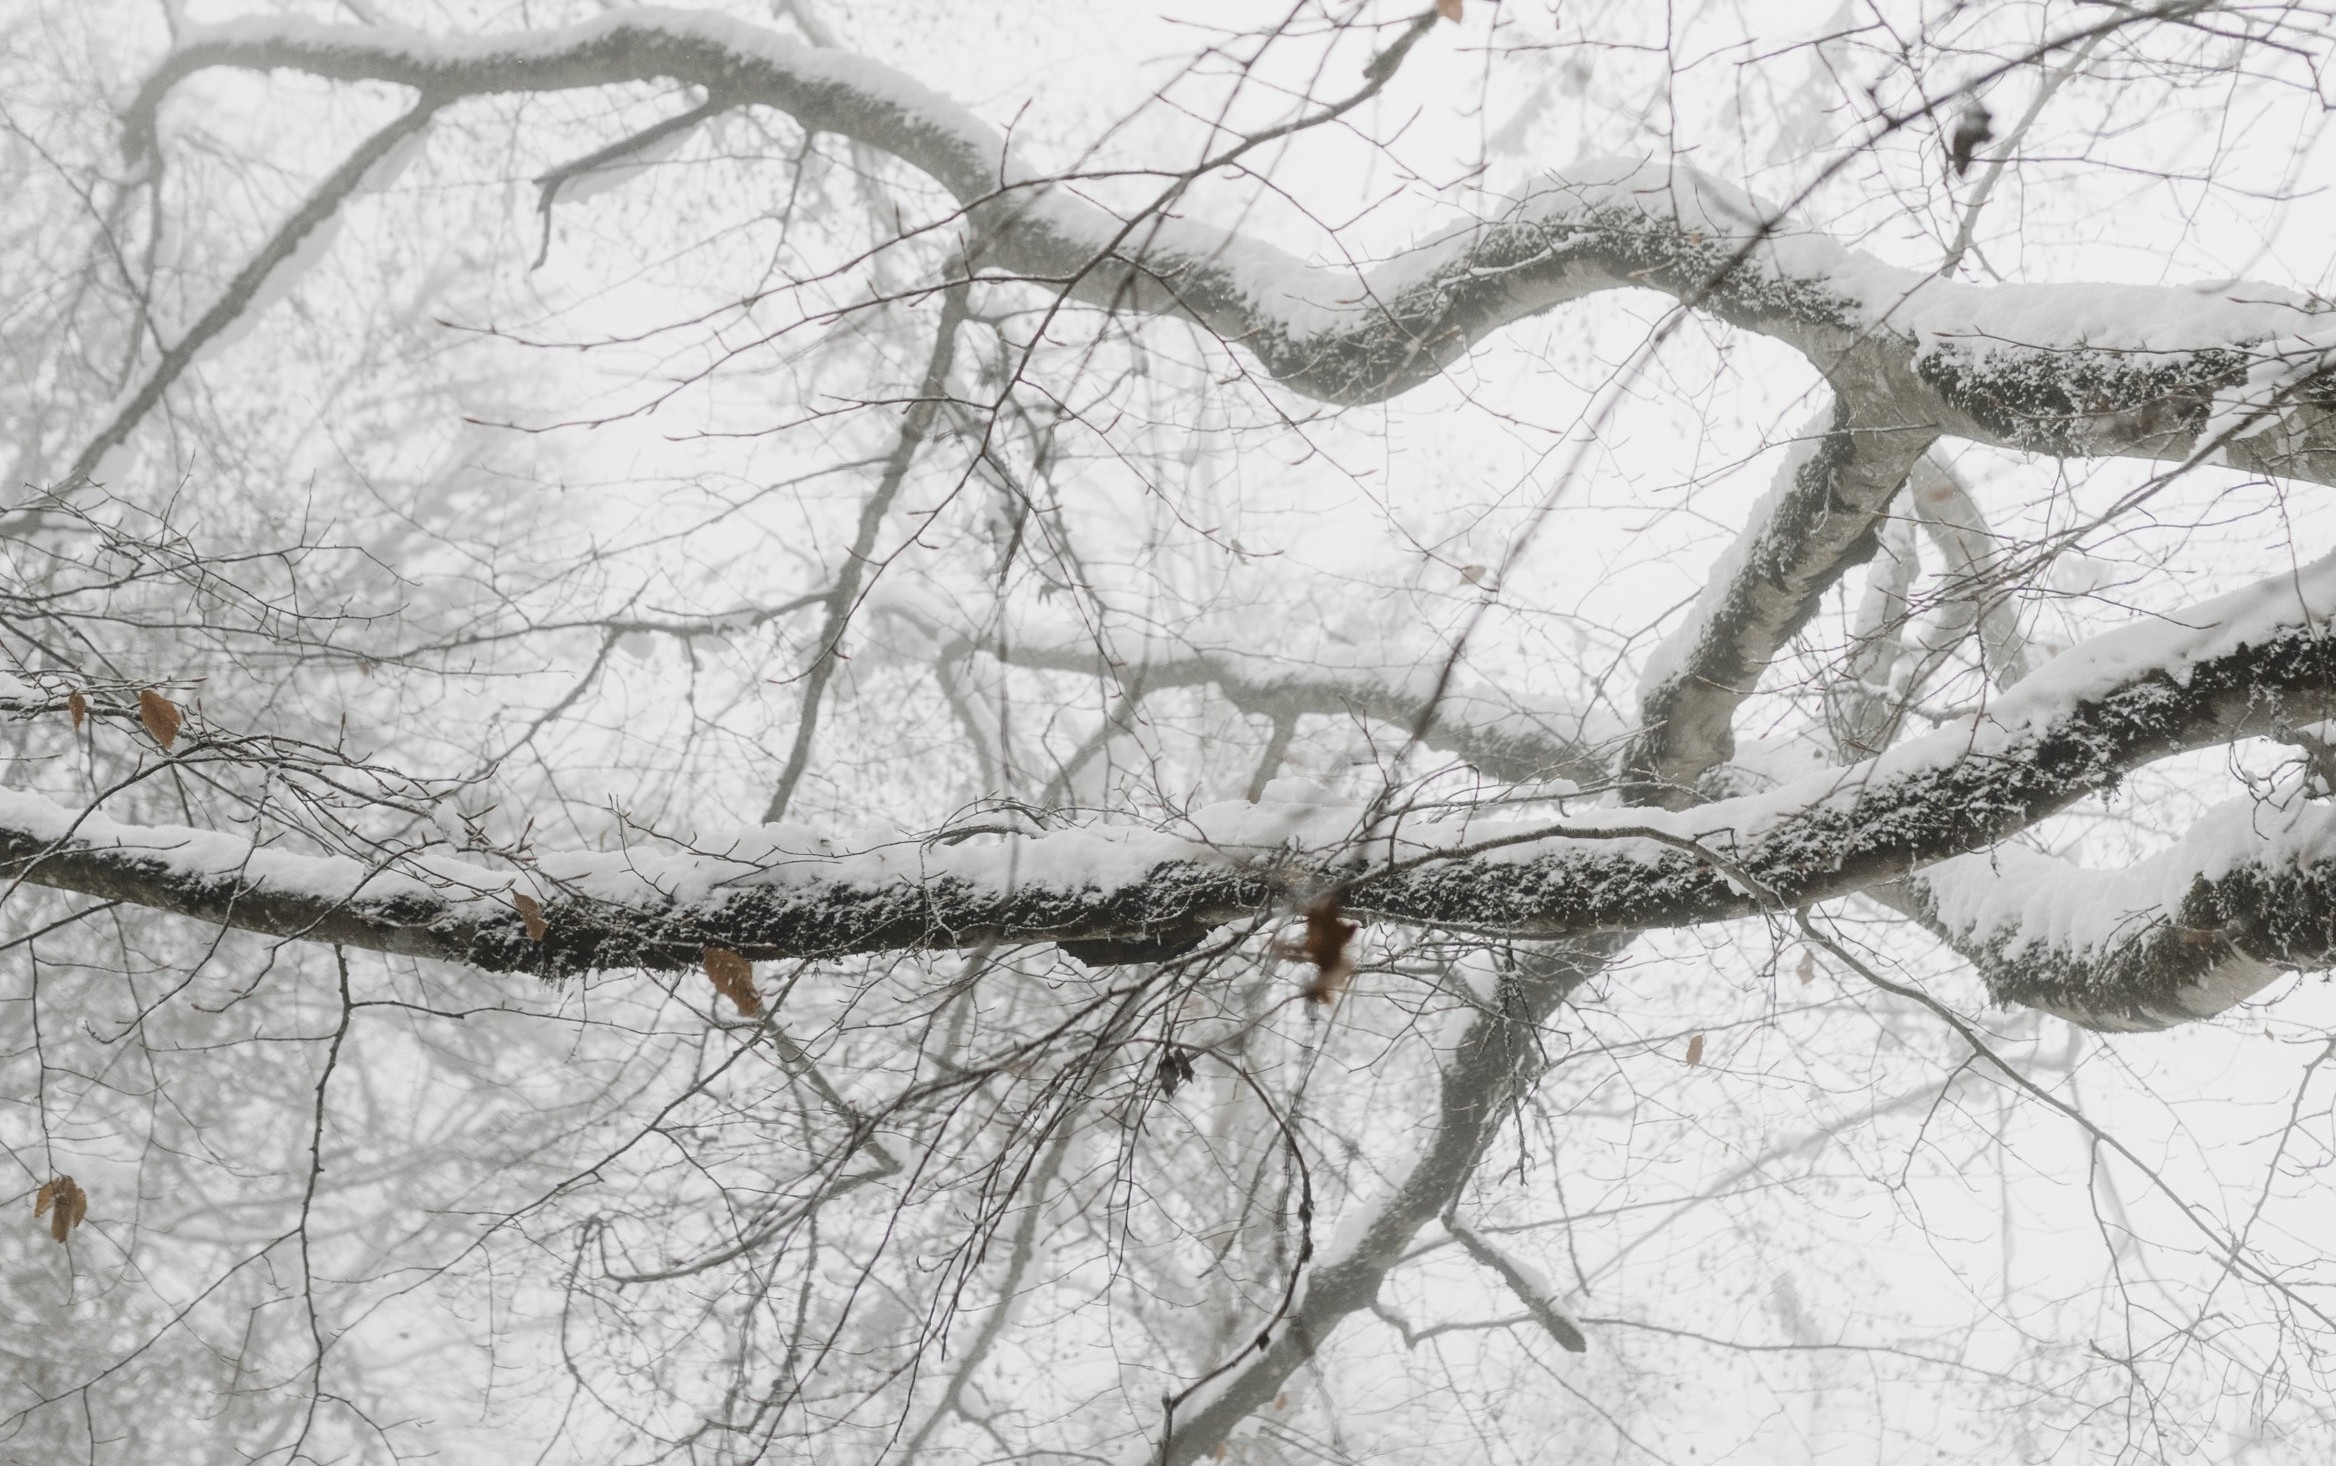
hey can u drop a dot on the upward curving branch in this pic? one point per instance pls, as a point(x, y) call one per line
point(2066, 370)
point(1819, 520)
point(243, 292)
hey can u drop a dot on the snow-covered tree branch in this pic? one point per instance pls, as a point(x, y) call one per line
point(892, 734)
point(2250, 664)
point(2238, 369)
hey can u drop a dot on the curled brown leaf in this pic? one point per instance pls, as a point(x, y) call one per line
point(64, 1203)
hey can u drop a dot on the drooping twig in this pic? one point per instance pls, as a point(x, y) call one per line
point(615, 155)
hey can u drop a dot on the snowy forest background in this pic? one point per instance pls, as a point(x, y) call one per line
point(696, 699)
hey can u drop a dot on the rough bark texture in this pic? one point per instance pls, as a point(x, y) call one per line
point(1878, 824)
point(2236, 927)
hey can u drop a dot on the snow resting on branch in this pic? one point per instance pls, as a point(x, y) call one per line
point(1546, 740)
point(2056, 368)
point(2255, 661)
point(2224, 370)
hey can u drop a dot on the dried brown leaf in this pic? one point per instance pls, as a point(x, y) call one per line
point(1474, 574)
point(1695, 1050)
point(78, 706)
point(64, 1203)
point(1449, 9)
point(161, 717)
point(530, 915)
point(1808, 968)
point(733, 978)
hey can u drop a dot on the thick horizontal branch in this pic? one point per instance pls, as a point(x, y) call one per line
point(1962, 789)
point(2257, 661)
point(2067, 370)
point(2248, 894)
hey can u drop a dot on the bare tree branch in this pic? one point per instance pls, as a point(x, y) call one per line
point(1516, 744)
point(1975, 598)
point(624, 154)
point(1494, 1064)
point(2175, 938)
point(314, 212)
point(843, 595)
point(1531, 1288)
point(1859, 701)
